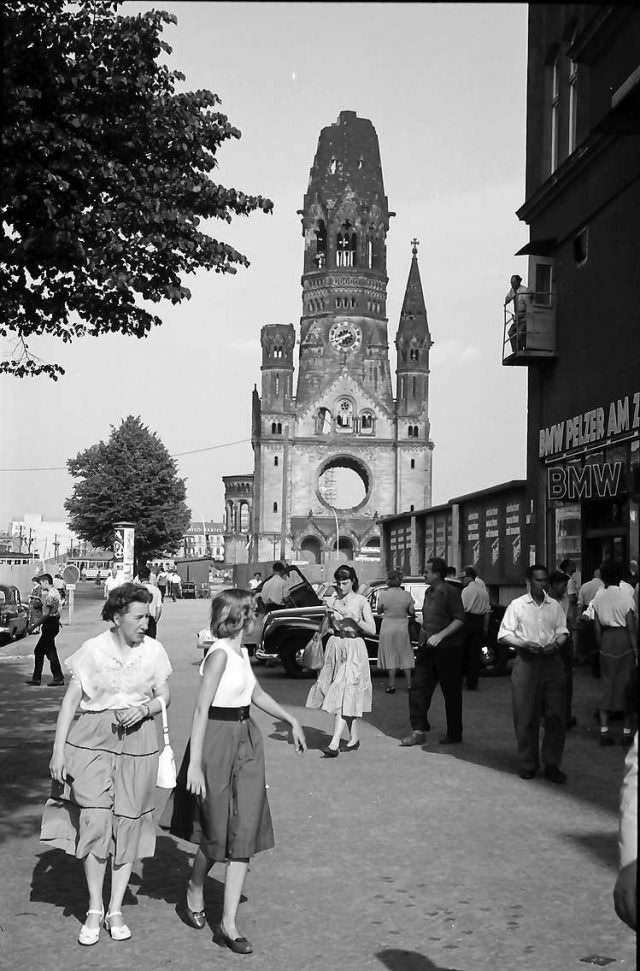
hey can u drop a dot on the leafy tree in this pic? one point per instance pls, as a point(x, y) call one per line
point(129, 477)
point(105, 176)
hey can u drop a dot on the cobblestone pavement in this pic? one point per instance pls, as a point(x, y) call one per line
point(417, 859)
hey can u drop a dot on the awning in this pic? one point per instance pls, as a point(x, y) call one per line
point(538, 247)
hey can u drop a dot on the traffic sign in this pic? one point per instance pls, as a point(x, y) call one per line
point(70, 574)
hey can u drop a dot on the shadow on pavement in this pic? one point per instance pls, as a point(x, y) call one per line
point(58, 879)
point(317, 739)
point(602, 845)
point(398, 960)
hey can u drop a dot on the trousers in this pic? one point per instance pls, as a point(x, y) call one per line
point(437, 665)
point(46, 647)
point(538, 691)
point(473, 642)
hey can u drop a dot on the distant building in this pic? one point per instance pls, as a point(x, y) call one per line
point(44, 538)
point(238, 506)
point(579, 338)
point(204, 538)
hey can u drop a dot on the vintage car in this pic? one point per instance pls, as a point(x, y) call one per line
point(14, 615)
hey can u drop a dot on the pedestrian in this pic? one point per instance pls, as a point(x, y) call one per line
point(61, 587)
point(615, 630)
point(394, 645)
point(558, 583)
point(477, 611)
point(586, 646)
point(343, 687)
point(625, 894)
point(274, 590)
point(256, 580)
point(155, 604)
point(220, 800)
point(535, 625)
point(113, 580)
point(439, 657)
point(522, 297)
point(105, 764)
point(162, 578)
point(175, 585)
point(49, 629)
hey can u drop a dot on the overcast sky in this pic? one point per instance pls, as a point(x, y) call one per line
point(444, 85)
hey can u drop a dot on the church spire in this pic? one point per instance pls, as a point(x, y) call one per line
point(413, 341)
point(413, 316)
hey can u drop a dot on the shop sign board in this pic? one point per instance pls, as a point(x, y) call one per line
point(594, 481)
point(617, 418)
point(492, 537)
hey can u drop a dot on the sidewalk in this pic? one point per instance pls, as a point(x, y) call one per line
point(408, 859)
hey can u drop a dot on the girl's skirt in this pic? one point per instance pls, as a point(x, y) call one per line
point(233, 821)
point(105, 806)
point(344, 681)
point(617, 662)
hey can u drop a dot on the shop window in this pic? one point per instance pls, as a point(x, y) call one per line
point(566, 538)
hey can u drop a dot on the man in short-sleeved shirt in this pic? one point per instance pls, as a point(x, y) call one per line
point(46, 646)
point(477, 610)
point(439, 657)
point(535, 625)
point(274, 590)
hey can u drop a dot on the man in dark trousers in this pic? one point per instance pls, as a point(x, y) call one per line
point(46, 646)
point(536, 626)
point(477, 610)
point(439, 657)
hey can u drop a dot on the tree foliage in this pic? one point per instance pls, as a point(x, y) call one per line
point(130, 477)
point(105, 176)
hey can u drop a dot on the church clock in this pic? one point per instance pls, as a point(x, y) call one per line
point(345, 336)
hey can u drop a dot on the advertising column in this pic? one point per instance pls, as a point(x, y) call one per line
point(123, 549)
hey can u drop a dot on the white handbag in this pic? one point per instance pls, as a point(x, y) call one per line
point(166, 762)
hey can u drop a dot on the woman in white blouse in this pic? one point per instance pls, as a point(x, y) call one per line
point(104, 765)
point(615, 626)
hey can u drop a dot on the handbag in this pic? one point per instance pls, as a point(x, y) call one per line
point(166, 763)
point(313, 654)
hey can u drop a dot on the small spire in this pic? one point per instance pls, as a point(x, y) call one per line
point(414, 246)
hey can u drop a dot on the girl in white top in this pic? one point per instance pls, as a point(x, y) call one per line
point(220, 798)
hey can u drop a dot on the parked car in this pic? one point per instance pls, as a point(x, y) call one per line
point(188, 590)
point(14, 615)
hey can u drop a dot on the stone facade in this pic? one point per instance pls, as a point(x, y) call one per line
point(341, 451)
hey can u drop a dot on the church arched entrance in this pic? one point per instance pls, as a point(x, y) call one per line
point(345, 548)
point(310, 549)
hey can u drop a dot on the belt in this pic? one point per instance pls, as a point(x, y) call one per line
point(229, 714)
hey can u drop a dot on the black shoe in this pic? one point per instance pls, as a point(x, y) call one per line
point(389, 691)
point(56, 683)
point(330, 753)
point(447, 740)
point(527, 773)
point(554, 774)
point(239, 945)
point(415, 738)
point(196, 918)
point(31, 681)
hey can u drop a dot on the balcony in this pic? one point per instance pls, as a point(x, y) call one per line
point(529, 335)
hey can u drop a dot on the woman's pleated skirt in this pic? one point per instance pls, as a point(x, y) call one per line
point(105, 806)
point(617, 662)
point(344, 681)
point(233, 821)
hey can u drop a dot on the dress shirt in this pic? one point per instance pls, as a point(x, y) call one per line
point(612, 604)
point(525, 620)
point(442, 604)
point(628, 832)
point(588, 591)
point(475, 599)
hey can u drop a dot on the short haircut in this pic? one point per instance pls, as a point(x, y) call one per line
point(451, 571)
point(610, 573)
point(231, 611)
point(536, 567)
point(279, 567)
point(558, 576)
point(144, 573)
point(516, 276)
point(120, 599)
point(395, 578)
point(438, 565)
point(345, 572)
point(566, 565)
point(470, 572)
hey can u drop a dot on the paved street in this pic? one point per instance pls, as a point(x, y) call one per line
point(406, 859)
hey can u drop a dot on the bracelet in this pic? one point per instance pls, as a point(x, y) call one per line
point(147, 710)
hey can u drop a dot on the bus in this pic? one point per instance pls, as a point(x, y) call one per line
point(93, 566)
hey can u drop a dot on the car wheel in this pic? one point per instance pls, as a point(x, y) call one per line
point(494, 661)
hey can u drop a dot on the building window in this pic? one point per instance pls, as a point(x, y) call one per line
point(542, 294)
point(413, 463)
point(275, 507)
point(581, 247)
point(276, 384)
point(366, 423)
point(555, 113)
point(333, 165)
point(321, 244)
point(414, 386)
point(346, 242)
point(414, 354)
point(344, 418)
point(369, 254)
point(323, 421)
point(573, 105)
point(276, 428)
point(275, 460)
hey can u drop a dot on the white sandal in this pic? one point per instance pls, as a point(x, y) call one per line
point(90, 935)
point(121, 933)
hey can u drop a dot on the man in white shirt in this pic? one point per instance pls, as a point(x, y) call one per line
point(274, 590)
point(155, 607)
point(477, 610)
point(522, 297)
point(535, 625)
point(114, 580)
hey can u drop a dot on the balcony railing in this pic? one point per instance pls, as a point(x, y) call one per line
point(529, 333)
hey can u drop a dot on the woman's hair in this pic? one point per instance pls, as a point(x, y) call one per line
point(610, 573)
point(231, 611)
point(395, 578)
point(121, 597)
point(345, 572)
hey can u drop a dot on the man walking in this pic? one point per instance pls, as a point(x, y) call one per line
point(155, 607)
point(477, 609)
point(46, 646)
point(535, 625)
point(439, 657)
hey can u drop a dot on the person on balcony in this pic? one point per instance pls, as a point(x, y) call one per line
point(522, 298)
